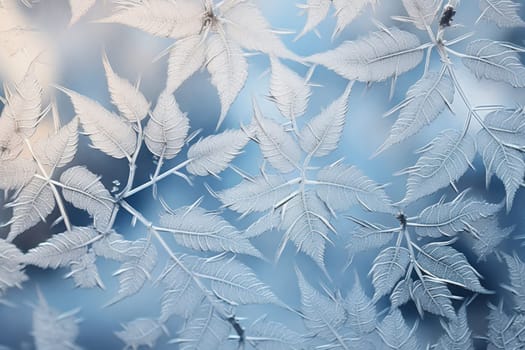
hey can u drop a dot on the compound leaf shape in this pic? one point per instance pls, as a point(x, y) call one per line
point(60, 149)
point(84, 190)
point(495, 60)
point(195, 228)
point(108, 132)
point(425, 100)
point(380, 55)
point(213, 154)
point(166, 130)
point(389, 266)
point(504, 13)
point(443, 161)
point(34, 203)
point(61, 249)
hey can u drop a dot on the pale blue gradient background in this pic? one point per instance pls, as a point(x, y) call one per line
point(131, 52)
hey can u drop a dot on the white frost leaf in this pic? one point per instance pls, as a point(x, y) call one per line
point(258, 194)
point(53, 330)
point(516, 269)
point(269, 335)
point(84, 271)
point(501, 149)
point(324, 316)
point(361, 310)
point(59, 149)
point(388, 268)
point(449, 265)
point(16, 173)
point(245, 24)
point(457, 334)
point(195, 228)
point(140, 332)
point(432, 296)
point(265, 223)
point(228, 69)
point(166, 130)
point(422, 12)
point(24, 104)
point(112, 246)
point(504, 13)
point(61, 249)
point(11, 266)
point(486, 236)
point(341, 186)
point(205, 329)
point(277, 146)
point(305, 219)
point(425, 100)
point(376, 57)
point(401, 293)
point(367, 237)
point(496, 61)
point(346, 11)
point(79, 8)
point(130, 102)
point(504, 162)
point(448, 219)
point(316, 11)
point(214, 153)
point(136, 270)
point(34, 203)
point(322, 133)
point(288, 90)
point(11, 143)
point(443, 161)
point(232, 281)
point(165, 18)
point(395, 332)
point(84, 190)
point(108, 132)
point(186, 57)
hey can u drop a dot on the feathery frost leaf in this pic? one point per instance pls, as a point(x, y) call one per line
point(448, 219)
point(195, 228)
point(16, 173)
point(316, 12)
point(443, 161)
point(449, 265)
point(504, 13)
point(347, 11)
point(136, 270)
point(517, 280)
point(140, 332)
point(425, 100)
point(505, 332)
point(11, 266)
point(432, 296)
point(205, 329)
point(322, 133)
point(166, 130)
point(422, 12)
point(34, 203)
point(277, 146)
point(367, 237)
point(457, 334)
point(84, 190)
point(501, 149)
point(61, 249)
point(108, 132)
point(377, 57)
point(324, 315)
point(486, 236)
point(166, 18)
point(341, 186)
point(213, 154)
point(395, 332)
point(186, 57)
point(11, 142)
point(290, 91)
point(388, 268)
point(59, 149)
point(269, 335)
point(130, 102)
point(361, 310)
point(112, 246)
point(53, 330)
point(228, 69)
point(258, 194)
point(400, 295)
point(84, 271)
point(495, 60)
point(305, 219)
